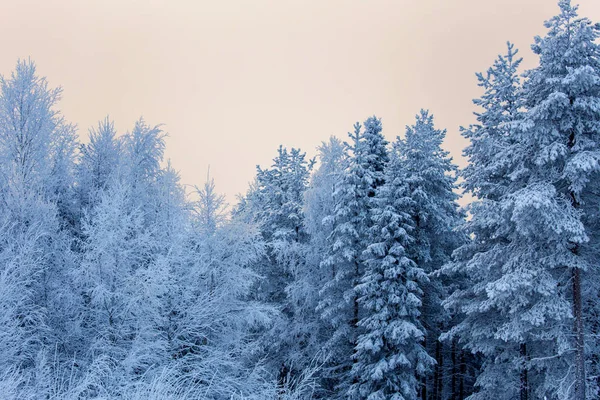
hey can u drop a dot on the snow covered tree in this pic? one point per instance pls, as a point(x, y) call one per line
point(99, 162)
point(28, 127)
point(211, 209)
point(213, 320)
point(376, 156)
point(115, 245)
point(319, 205)
point(172, 206)
point(430, 177)
point(389, 353)
point(143, 149)
point(488, 177)
point(524, 309)
point(319, 202)
point(157, 286)
point(487, 174)
point(61, 184)
point(36, 151)
point(350, 220)
point(129, 205)
point(561, 137)
point(275, 204)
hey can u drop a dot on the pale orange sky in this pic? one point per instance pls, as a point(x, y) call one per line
point(233, 79)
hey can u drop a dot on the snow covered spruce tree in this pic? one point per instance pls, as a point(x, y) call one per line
point(275, 204)
point(479, 262)
point(561, 142)
point(487, 174)
point(430, 177)
point(534, 254)
point(389, 353)
point(353, 195)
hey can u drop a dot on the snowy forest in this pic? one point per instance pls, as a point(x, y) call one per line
point(354, 275)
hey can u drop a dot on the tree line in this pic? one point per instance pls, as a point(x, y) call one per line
point(355, 275)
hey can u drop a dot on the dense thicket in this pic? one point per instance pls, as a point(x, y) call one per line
point(354, 275)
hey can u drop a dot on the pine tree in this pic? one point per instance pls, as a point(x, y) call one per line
point(561, 134)
point(389, 352)
point(343, 259)
point(276, 205)
point(351, 222)
point(524, 308)
point(488, 178)
point(430, 176)
point(376, 156)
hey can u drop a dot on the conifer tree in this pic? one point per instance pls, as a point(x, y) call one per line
point(275, 204)
point(531, 242)
point(389, 351)
point(488, 178)
point(353, 194)
point(561, 138)
point(430, 176)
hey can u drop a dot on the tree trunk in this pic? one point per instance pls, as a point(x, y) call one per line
point(354, 322)
point(577, 308)
point(438, 376)
point(524, 387)
point(579, 340)
point(463, 373)
point(424, 377)
point(454, 380)
point(593, 319)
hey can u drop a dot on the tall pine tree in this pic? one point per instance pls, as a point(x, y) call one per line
point(477, 263)
point(389, 352)
point(351, 221)
point(561, 135)
point(430, 176)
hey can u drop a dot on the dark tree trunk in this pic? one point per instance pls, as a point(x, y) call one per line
point(454, 380)
point(438, 376)
point(580, 380)
point(463, 373)
point(354, 322)
point(424, 377)
point(579, 340)
point(594, 319)
point(524, 386)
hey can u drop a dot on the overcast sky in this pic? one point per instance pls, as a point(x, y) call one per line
point(231, 80)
